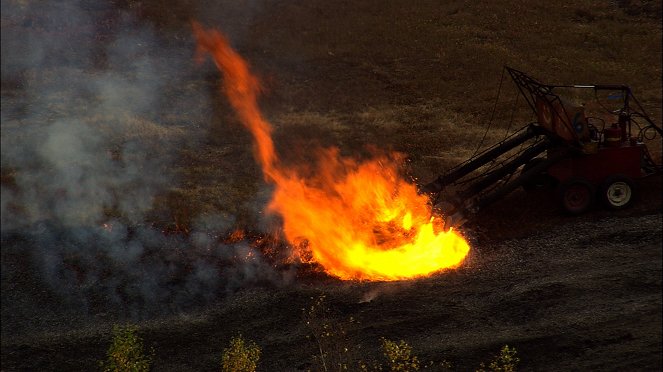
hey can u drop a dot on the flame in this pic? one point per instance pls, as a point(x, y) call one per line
point(360, 220)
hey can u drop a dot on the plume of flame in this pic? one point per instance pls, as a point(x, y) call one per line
point(360, 220)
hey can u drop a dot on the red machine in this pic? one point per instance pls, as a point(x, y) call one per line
point(563, 147)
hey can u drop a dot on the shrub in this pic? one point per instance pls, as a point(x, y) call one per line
point(334, 352)
point(506, 361)
point(126, 353)
point(399, 356)
point(241, 356)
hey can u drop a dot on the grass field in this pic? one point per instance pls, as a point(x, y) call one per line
point(107, 120)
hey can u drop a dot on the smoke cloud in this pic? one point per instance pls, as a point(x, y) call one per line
point(94, 107)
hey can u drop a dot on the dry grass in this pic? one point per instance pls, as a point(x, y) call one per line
point(419, 80)
point(422, 80)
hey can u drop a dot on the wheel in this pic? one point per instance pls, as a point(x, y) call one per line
point(537, 181)
point(576, 195)
point(617, 192)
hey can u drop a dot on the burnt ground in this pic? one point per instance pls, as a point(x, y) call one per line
point(568, 292)
point(585, 295)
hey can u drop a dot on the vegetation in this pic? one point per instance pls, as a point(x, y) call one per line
point(419, 79)
point(399, 356)
point(333, 351)
point(241, 356)
point(126, 352)
point(506, 361)
point(336, 351)
point(421, 82)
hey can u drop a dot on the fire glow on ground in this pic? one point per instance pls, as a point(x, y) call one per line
point(360, 220)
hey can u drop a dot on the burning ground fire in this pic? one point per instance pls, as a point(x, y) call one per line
point(360, 220)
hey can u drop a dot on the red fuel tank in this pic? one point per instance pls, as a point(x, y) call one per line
point(612, 137)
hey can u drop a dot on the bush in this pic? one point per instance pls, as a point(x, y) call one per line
point(329, 333)
point(507, 361)
point(126, 353)
point(399, 356)
point(241, 356)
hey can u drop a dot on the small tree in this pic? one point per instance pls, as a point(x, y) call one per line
point(507, 361)
point(241, 356)
point(399, 356)
point(126, 353)
point(329, 333)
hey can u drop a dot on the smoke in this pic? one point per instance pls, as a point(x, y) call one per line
point(95, 105)
point(76, 130)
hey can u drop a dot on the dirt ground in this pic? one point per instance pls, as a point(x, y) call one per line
point(568, 292)
point(582, 294)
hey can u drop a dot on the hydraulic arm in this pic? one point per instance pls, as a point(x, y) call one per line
point(495, 183)
point(579, 156)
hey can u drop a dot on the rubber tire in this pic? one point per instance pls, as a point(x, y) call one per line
point(576, 195)
point(617, 192)
point(539, 181)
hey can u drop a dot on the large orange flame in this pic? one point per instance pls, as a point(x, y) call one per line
point(358, 220)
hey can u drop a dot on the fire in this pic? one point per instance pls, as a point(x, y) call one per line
point(360, 220)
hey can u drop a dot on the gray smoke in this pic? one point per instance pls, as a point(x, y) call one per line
point(94, 107)
point(75, 134)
